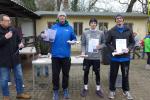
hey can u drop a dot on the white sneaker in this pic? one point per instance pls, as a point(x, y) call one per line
point(147, 66)
point(23, 85)
point(128, 95)
point(9, 83)
point(111, 95)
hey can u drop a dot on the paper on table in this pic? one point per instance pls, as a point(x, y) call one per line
point(41, 61)
point(73, 41)
point(92, 45)
point(120, 45)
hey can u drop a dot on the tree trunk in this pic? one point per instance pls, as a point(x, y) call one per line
point(58, 4)
point(129, 9)
point(92, 3)
point(66, 5)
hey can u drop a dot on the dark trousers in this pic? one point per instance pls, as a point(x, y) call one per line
point(96, 68)
point(148, 59)
point(114, 66)
point(57, 65)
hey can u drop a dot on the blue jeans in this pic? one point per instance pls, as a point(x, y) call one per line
point(4, 78)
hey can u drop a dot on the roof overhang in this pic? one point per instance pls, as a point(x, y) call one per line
point(103, 14)
point(13, 9)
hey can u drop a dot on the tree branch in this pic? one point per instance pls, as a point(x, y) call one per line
point(92, 4)
point(122, 2)
point(132, 2)
point(142, 2)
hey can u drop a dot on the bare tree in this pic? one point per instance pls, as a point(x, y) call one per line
point(123, 2)
point(91, 4)
point(130, 6)
point(46, 5)
point(144, 4)
point(66, 5)
point(59, 2)
point(74, 5)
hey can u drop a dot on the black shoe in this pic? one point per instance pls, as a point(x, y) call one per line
point(84, 93)
point(100, 93)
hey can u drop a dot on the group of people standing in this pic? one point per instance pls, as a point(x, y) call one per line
point(142, 46)
point(92, 42)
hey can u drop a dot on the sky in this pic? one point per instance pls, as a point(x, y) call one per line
point(115, 6)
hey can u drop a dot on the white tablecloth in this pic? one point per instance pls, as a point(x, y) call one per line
point(41, 61)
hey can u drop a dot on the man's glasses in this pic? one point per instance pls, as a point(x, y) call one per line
point(8, 21)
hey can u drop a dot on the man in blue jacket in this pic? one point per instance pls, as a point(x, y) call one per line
point(61, 50)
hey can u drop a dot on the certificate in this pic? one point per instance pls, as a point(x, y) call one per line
point(50, 35)
point(120, 45)
point(92, 45)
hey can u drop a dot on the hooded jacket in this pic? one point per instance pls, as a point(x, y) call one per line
point(60, 47)
point(114, 34)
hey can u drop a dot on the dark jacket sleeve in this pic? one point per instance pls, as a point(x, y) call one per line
point(109, 41)
point(3, 40)
point(18, 37)
point(103, 40)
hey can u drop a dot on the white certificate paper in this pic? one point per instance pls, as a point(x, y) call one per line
point(120, 45)
point(92, 45)
point(50, 35)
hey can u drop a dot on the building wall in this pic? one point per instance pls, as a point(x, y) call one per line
point(139, 24)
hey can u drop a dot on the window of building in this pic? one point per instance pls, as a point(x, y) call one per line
point(78, 28)
point(130, 25)
point(103, 26)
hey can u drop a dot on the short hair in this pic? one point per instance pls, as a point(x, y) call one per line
point(93, 20)
point(2, 15)
point(119, 15)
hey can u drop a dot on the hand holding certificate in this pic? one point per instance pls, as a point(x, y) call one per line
point(121, 47)
point(49, 35)
point(92, 47)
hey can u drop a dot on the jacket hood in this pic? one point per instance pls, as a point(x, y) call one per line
point(66, 23)
point(126, 28)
